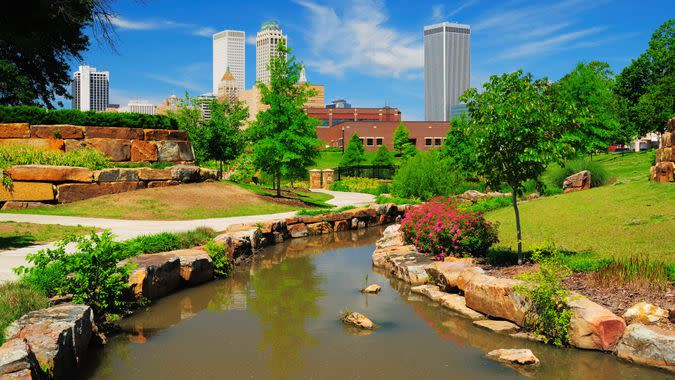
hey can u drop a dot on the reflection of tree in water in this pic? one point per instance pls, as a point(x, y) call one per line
point(284, 297)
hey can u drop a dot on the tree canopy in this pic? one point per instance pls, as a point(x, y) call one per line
point(383, 156)
point(284, 137)
point(514, 132)
point(355, 152)
point(401, 139)
point(39, 39)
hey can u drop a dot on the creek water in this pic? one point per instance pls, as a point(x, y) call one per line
point(277, 318)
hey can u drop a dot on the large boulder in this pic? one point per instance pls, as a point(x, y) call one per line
point(645, 313)
point(241, 240)
point(392, 236)
point(592, 326)
point(577, 182)
point(457, 303)
point(150, 174)
point(17, 361)
point(71, 192)
point(495, 297)
point(49, 173)
point(497, 326)
point(154, 276)
point(114, 133)
point(472, 195)
point(648, 345)
point(57, 131)
point(430, 291)
point(173, 151)
point(37, 144)
point(165, 134)
point(14, 131)
point(143, 151)
point(452, 273)
point(411, 268)
point(185, 173)
point(28, 191)
point(319, 228)
point(115, 149)
point(117, 175)
point(298, 230)
point(519, 356)
point(58, 336)
point(196, 266)
point(357, 320)
point(381, 256)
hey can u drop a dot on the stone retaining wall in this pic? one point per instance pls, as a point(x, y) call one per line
point(64, 184)
point(117, 143)
point(664, 170)
point(482, 296)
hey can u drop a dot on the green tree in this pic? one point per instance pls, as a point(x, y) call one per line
point(458, 147)
point(515, 133)
point(646, 84)
point(383, 156)
point(401, 139)
point(39, 40)
point(594, 124)
point(355, 153)
point(221, 138)
point(284, 137)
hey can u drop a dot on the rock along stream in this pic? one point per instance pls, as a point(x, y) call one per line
point(277, 318)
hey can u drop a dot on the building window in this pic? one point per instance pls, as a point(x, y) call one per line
point(378, 141)
point(438, 141)
point(363, 141)
point(427, 141)
point(369, 141)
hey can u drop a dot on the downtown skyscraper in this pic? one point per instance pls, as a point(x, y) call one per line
point(90, 89)
point(266, 42)
point(447, 68)
point(228, 52)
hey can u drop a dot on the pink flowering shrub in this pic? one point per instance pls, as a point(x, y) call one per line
point(440, 228)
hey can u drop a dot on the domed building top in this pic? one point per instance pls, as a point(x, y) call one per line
point(270, 25)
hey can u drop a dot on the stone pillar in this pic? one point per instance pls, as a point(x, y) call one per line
point(315, 179)
point(327, 175)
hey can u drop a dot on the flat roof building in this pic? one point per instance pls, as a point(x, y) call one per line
point(229, 52)
point(332, 116)
point(447, 68)
point(90, 89)
point(424, 135)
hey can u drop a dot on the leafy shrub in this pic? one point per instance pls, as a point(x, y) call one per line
point(361, 185)
point(383, 156)
point(599, 175)
point(91, 273)
point(20, 155)
point(166, 241)
point(549, 315)
point(305, 212)
point(17, 299)
point(222, 266)
point(355, 154)
point(425, 176)
point(487, 204)
point(244, 170)
point(396, 200)
point(38, 115)
point(440, 228)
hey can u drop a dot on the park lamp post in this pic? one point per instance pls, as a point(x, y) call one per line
point(343, 140)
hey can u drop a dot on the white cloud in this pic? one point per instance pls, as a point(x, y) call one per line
point(359, 40)
point(186, 78)
point(152, 24)
point(548, 45)
point(439, 14)
point(250, 39)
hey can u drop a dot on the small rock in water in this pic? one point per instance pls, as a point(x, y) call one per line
point(644, 312)
point(520, 356)
point(498, 326)
point(357, 320)
point(372, 288)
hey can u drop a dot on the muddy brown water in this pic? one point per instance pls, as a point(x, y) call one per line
point(277, 318)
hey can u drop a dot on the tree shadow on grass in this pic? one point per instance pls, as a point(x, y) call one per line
point(17, 241)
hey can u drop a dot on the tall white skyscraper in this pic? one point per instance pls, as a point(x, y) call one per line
point(90, 89)
point(228, 51)
point(447, 68)
point(266, 42)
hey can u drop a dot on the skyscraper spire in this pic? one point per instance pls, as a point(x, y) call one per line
point(303, 77)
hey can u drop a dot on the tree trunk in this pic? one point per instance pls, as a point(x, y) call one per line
point(221, 170)
point(514, 198)
point(279, 185)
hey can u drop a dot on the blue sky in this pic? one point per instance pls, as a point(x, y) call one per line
point(367, 51)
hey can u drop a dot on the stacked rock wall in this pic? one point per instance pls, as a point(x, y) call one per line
point(117, 143)
point(64, 184)
point(664, 170)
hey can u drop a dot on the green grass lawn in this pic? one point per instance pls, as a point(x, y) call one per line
point(629, 217)
point(16, 235)
point(186, 202)
point(331, 160)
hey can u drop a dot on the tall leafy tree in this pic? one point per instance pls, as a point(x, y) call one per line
point(595, 121)
point(39, 39)
point(383, 156)
point(458, 147)
point(355, 153)
point(646, 84)
point(515, 133)
point(401, 139)
point(284, 137)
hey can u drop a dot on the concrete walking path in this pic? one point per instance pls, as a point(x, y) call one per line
point(128, 229)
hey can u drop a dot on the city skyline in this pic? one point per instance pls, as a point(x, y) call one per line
point(370, 53)
point(229, 53)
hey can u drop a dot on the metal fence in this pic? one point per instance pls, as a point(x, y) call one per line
point(367, 171)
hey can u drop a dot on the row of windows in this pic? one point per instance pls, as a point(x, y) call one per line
point(433, 141)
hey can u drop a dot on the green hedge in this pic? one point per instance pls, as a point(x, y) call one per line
point(38, 115)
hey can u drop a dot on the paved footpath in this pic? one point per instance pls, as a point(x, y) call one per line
point(128, 229)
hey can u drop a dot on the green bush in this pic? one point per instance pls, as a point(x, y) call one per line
point(20, 155)
point(487, 204)
point(222, 266)
point(305, 212)
point(549, 315)
point(17, 299)
point(425, 176)
point(38, 115)
point(380, 199)
point(166, 241)
point(599, 175)
point(91, 273)
point(244, 170)
point(361, 185)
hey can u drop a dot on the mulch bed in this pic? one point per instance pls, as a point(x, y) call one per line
point(616, 299)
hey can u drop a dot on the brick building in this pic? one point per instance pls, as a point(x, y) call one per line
point(423, 134)
point(332, 116)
